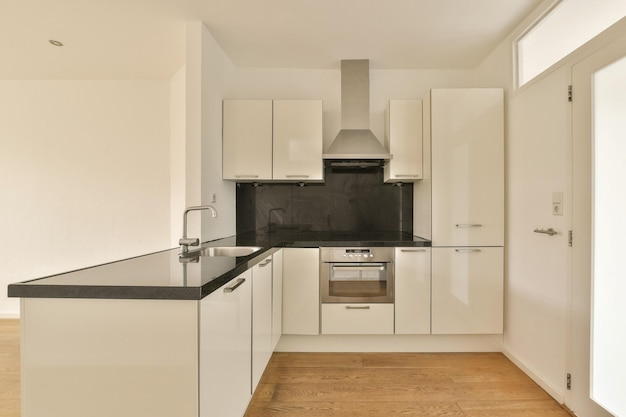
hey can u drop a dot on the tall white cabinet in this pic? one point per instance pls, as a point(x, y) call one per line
point(467, 131)
point(467, 163)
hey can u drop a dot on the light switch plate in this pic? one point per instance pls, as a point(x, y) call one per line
point(557, 203)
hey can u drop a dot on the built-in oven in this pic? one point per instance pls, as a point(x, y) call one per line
point(356, 275)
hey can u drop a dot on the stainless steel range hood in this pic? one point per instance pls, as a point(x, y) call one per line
point(356, 145)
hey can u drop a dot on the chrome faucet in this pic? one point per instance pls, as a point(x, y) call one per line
point(184, 241)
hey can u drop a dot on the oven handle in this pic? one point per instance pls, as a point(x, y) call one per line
point(378, 267)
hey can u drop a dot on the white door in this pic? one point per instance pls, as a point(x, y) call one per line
point(598, 211)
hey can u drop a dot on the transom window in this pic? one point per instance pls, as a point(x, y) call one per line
point(564, 28)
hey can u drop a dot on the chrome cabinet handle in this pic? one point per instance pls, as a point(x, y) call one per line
point(297, 176)
point(412, 250)
point(235, 285)
point(265, 263)
point(550, 231)
point(467, 250)
point(468, 225)
point(246, 176)
point(357, 308)
point(370, 267)
point(406, 176)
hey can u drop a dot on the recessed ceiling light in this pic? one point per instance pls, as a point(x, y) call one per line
point(55, 43)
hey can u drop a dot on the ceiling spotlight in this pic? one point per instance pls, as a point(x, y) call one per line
point(55, 43)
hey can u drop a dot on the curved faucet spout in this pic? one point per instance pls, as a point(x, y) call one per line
point(185, 242)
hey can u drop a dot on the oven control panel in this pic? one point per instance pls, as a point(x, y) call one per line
point(358, 254)
point(375, 254)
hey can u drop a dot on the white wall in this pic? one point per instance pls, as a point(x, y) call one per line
point(208, 71)
point(216, 73)
point(178, 132)
point(84, 174)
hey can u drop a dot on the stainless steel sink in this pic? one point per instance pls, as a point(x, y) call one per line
point(228, 251)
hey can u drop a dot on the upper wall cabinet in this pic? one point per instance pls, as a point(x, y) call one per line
point(467, 151)
point(247, 140)
point(298, 142)
point(278, 140)
point(403, 138)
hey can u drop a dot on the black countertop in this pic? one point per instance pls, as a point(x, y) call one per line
point(161, 275)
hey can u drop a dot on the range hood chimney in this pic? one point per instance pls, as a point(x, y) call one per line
point(356, 145)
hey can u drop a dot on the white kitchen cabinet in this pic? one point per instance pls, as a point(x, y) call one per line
point(467, 145)
point(403, 138)
point(272, 140)
point(277, 297)
point(247, 140)
point(301, 291)
point(357, 318)
point(262, 346)
point(225, 349)
point(467, 290)
point(412, 290)
point(298, 142)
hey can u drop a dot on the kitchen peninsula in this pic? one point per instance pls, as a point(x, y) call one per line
point(154, 336)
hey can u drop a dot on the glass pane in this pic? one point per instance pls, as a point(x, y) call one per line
point(609, 229)
point(563, 30)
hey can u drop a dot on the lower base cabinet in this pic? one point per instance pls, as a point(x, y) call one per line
point(225, 349)
point(412, 290)
point(467, 290)
point(262, 346)
point(301, 291)
point(357, 318)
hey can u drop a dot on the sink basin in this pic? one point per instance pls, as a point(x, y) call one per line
point(229, 251)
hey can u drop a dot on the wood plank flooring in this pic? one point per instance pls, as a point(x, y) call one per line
point(9, 368)
point(398, 384)
point(360, 385)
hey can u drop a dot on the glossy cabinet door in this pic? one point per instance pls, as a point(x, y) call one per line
point(301, 291)
point(247, 140)
point(225, 349)
point(277, 297)
point(357, 318)
point(467, 145)
point(298, 142)
point(403, 138)
point(262, 346)
point(467, 290)
point(412, 290)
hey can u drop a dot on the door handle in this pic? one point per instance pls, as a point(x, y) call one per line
point(550, 231)
point(235, 285)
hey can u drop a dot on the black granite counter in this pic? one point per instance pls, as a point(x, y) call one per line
point(162, 275)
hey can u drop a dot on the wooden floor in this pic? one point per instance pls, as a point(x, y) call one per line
point(398, 384)
point(9, 368)
point(360, 385)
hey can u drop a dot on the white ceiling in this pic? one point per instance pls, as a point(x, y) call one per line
point(130, 39)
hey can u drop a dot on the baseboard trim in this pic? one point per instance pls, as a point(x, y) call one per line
point(555, 393)
point(390, 343)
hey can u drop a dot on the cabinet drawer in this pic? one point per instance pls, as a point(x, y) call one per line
point(357, 318)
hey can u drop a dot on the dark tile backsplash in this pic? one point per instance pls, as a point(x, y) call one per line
point(350, 200)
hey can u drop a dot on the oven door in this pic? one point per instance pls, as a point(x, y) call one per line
point(357, 282)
